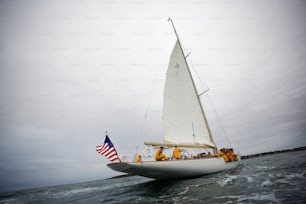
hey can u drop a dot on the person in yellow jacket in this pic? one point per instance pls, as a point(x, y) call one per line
point(138, 158)
point(177, 152)
point(159, 155)
point(220, 152)
point(223, 153)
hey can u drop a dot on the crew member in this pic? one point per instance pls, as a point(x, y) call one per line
point(223, 153)
point(234, 156)
point(138, 158)
point(159, 156)
point(177, 152)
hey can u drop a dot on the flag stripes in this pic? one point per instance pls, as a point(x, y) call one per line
point(108, 150)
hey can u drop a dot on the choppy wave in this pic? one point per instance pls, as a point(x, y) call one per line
point(258, 197)
point(72, 192)
point(253, 197)
point(266, 183)
point(264, 167)
point(228, 180)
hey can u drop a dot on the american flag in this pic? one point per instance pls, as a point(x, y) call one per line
point(108, 150)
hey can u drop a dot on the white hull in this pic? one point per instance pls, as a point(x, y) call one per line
point(173, 169)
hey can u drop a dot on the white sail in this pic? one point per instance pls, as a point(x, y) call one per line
point(183, 117)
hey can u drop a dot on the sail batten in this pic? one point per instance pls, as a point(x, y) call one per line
point(184, 121)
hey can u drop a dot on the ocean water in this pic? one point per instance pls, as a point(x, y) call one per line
point(278, 178)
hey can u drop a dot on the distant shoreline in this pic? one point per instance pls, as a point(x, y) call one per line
point(273, 152)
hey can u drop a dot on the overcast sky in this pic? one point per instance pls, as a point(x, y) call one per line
point(69, 70)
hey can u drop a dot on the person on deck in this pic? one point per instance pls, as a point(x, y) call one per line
point(159, 156)
point(223, 153)
point(177, 152)
point(138, 158)
point(227, 155)
point(234, 156)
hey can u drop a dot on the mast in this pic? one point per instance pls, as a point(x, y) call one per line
point(198, 96)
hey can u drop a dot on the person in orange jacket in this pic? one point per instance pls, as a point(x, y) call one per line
point(177, 152)
point(159, 155)
point(138, 158)
point(223, 153)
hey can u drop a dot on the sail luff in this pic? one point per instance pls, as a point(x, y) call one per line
point(195, 89)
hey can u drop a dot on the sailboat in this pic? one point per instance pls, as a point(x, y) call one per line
point(184, 125)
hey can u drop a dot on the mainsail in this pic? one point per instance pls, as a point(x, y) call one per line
point(184, 121)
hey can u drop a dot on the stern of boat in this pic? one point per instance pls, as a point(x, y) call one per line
point(121, 167)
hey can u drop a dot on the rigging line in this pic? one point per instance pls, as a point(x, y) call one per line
point(220, 122)
point(146, 112)
point(203, 84)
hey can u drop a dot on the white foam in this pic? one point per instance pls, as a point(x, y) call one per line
point(72, 192)
point(296, 175)
point(288, 179)
point(11, 200)
point(230, 197)
point(226, 181)
point(267, 183)
point(250, 179)
point(184, 192)
point(264, 167)
point(255, 197)
point(283, 181)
